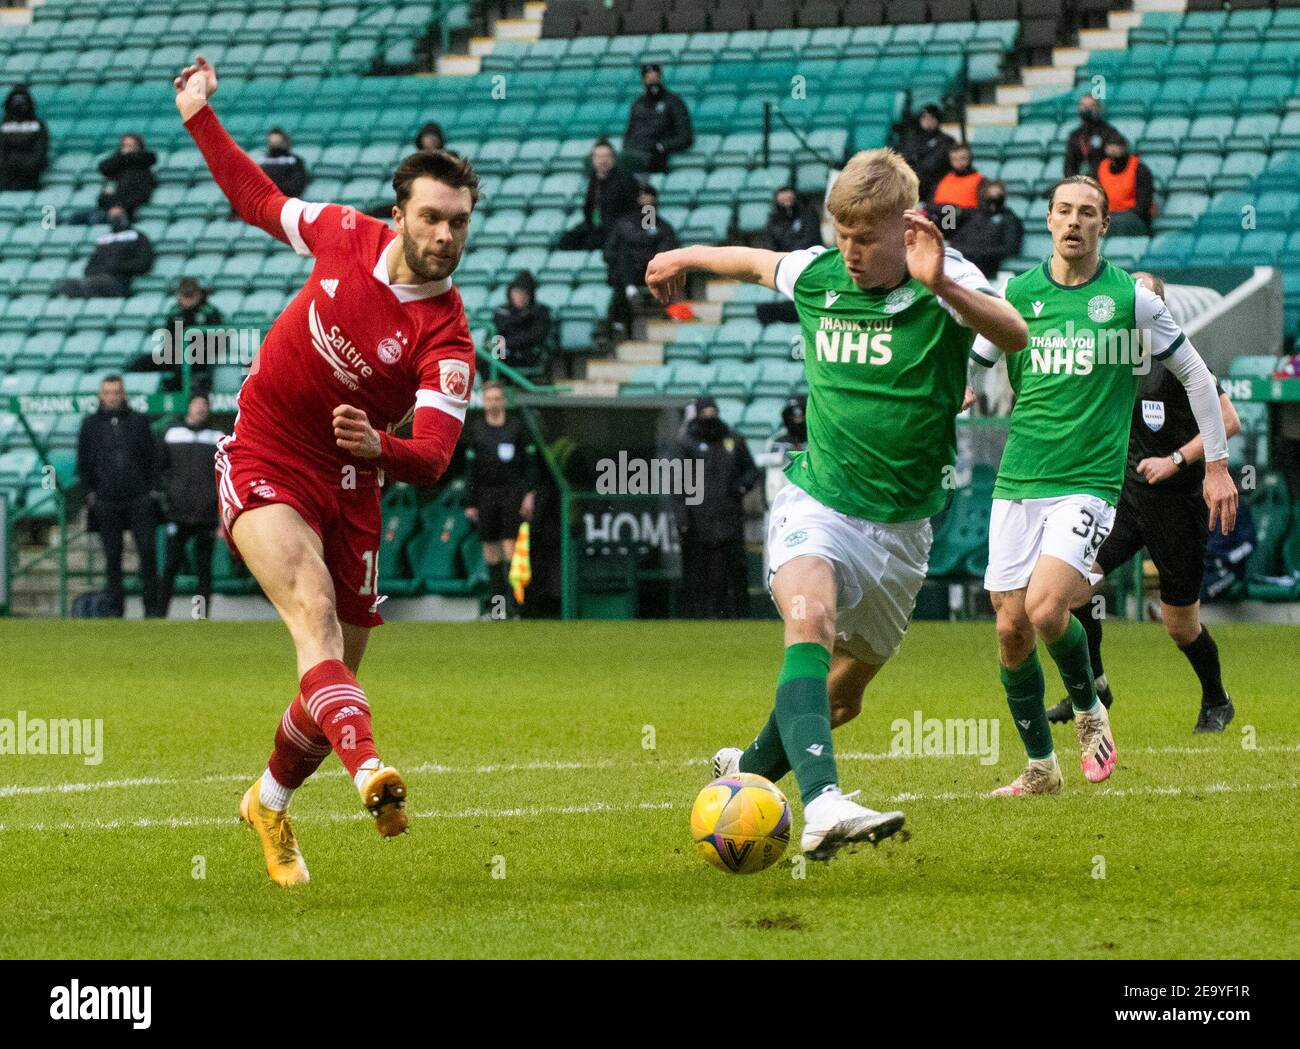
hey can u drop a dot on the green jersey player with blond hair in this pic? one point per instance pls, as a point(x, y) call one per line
point(887, 316)
point(1092, 331)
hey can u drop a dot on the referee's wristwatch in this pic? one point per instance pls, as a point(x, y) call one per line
point(1178, 459)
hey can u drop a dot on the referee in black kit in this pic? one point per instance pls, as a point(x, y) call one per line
point(1161, 508)
point(499, 493)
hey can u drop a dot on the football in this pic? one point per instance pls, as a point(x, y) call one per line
point(741, 823)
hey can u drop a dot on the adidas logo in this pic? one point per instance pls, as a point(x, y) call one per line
point(346, 712)
point(831, 296)
point(330, 287)
point(1038, 307)
point(815, 750)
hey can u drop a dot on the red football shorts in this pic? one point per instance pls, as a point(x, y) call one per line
point(347, 520)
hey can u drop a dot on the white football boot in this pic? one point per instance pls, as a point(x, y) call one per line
point(1097, 754)
point(1042, 776)
point(726, 762)
point(832, 821)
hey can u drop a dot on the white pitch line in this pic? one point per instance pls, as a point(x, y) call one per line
point(600, 807)
point(434, 768)
point(172, 823)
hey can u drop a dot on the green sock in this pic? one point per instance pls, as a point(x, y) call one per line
point(803, 717)
point(1024, 687)
point(1070, 651)
point(766, 756)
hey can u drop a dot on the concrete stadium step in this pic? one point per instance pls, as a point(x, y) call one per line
point(517, 29)
point(527, 28)
point(608, 371)
point(720, 290)
point(1103, 39)
point(458, 65)
point(985, 115)
point(640, 351)
point(593, 388)
point(1019, 94)
point(1045, 81)
point(1061, 78)
point(1069, 56)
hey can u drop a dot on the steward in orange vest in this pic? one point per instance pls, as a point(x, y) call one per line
point(1127, 182)
point(960, 187)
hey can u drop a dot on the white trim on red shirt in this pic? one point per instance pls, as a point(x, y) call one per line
point(426, 398)
point(408, 292)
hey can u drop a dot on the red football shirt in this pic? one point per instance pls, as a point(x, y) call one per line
point(347, 337)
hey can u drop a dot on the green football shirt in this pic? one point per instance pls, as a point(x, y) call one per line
point(886, 372)
point(1076, 381)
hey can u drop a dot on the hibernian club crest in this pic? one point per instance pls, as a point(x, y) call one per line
point(899, 299)
point(1101, 308)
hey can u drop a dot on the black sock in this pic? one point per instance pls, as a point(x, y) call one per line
point(1086, 615)
point(497, 584)
point(1203, 654)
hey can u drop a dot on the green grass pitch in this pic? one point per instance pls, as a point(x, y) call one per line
point(528, 752)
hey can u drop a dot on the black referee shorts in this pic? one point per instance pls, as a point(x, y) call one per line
point(1173, 527)
point(498, 513)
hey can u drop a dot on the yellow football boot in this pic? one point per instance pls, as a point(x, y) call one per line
point(284, 862)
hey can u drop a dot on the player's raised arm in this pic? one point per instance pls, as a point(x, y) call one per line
point(666, 274)
point(987, 315)
point(255, 198)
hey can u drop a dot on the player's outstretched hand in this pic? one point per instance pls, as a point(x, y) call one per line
point(354, 434)
point(924, 248)
point(1220, 496)
point(666, 275)
point(196, 84)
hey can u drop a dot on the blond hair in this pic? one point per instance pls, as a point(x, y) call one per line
point(874, 184)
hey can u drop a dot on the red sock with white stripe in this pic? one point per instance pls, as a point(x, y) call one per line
point(338, 705)
point(300, 747)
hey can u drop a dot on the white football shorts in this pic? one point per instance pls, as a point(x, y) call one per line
point(1070, 528)
point(879, 568)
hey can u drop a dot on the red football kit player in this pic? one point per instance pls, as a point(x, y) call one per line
point(376, 333)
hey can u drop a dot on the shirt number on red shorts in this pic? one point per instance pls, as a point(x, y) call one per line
point(370, 584)
point(1091, 530)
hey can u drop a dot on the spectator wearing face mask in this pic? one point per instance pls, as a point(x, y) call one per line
point(634, 241)
point(1084, 148)
point(188, 450)
point(129, 184)
point(120, 255)
point(790, 438)
point(991, 233)
point(1130, 189)
point(792, 224)
point(711, 527)
point(658, 125)
point(24, 142)
point(524, 325)
point(958, 189)
point(925, 148)
point(282, 166)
